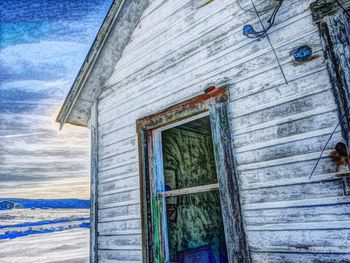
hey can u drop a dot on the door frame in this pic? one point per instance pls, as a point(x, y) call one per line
point(333, 21)
point(214, 102)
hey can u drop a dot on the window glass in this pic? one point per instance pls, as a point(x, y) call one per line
point(194, 221)
point(195, 228)
point(188, 155)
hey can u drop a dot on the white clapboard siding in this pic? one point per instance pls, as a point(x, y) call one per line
point(124, 210)
point(303, 240)
point(195, 63)
point(278, 130)
point(116, 136)
point(189, 36)
point(112, 242)
point(307, 214)
point(324, 120)
point(119, 147)
point(116, 227)
point(119, 255)
point(118, 186)
point(307, 257)
point(127, 193)
point(125, 114)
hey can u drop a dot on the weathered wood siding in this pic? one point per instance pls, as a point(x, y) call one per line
point(94, 183)
point(278, 130)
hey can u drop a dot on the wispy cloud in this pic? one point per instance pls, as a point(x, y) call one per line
point(42, 48)
point(21, 135)
point(45, 60)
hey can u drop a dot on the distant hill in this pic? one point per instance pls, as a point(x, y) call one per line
point(50, 203)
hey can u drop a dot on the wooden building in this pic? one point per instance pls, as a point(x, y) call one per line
point(204, 139)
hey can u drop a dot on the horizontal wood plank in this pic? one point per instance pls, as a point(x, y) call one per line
point(190, 190)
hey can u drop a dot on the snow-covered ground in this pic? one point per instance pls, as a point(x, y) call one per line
point(59, 247)
point(16, 216)
point(52, 235)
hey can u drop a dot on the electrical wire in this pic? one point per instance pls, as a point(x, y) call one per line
point(330, 137)
point(250, 32)
point(262, 33)
point(346, 11)
point(341, 119)
point(268, 38)
point(270, 7)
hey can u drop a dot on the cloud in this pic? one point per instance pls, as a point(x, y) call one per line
point(43, 44)
point(20, 90)
point(21, 135)
point(32, 96)
point(45, 60)
point(33, 150)
point(56, 188)
point(51, 10)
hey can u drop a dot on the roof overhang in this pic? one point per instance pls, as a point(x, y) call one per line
point(104, 53)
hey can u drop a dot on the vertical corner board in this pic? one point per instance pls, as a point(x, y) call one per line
point(323, 8)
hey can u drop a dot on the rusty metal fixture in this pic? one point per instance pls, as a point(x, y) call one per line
point(209, 89)
point(330, 137)
point(340, 154)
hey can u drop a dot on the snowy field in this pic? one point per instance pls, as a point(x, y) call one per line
point(52, 235)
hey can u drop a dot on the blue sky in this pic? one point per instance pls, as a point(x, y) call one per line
point(42, 46)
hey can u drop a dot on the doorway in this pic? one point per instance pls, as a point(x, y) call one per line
point(193, 217)
point(190, 201)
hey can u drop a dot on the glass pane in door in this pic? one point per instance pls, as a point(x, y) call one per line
point(195, 228)
point(188, 155)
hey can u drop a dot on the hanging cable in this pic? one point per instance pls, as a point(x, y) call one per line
point(249, 31)
point(342, 117)
point(329, 139)
point(266, 9)
point(268, 38)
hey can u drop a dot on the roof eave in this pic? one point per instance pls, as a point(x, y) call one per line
point(88, 64)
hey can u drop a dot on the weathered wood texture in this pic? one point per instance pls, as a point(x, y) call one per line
point(94, 183)
point(278, 130)
point(152, 171)
point(322, 9)
point(335, 35)
point(112, 37)
point(144, 192)
point(237, 247)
